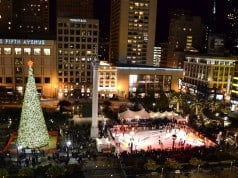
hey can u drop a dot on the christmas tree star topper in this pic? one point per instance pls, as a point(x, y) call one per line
point(30, 63)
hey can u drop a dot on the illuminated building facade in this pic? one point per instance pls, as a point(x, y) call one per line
point(208, 76)
point(140, 80)
point(157, 56)
point(14, 55)
point(234, 89)
point(107, 75)
point(77, 44)
point(132, 31)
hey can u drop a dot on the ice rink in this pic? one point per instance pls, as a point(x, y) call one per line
point(166, 138)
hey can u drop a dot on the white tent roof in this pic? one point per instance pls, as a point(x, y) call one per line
point(128, 114)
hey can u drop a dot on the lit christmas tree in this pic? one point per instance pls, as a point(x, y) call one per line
point(32, 131)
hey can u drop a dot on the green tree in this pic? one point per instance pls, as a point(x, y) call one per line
point(195, 162)
point(32, 132)
point(3, 172)
point(151, 165)
point(177, 100)
point(26, 172)
point(197, 106)
point(172, 164)
point(56, 170)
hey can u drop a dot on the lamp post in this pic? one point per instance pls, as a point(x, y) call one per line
point(68, 143)
point(231, 165)
point(174, 138)
point(198, 168)
point(162, 171)
point(19, 147)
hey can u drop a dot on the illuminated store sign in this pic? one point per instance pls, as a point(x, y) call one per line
point(22, 42)
point(78, 20)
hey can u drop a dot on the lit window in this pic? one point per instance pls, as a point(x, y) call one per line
point(27, 51)
point(18, 51)
point(47, 52)
point(7, 51)
point(37, 51)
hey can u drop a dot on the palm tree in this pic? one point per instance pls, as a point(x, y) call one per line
point(177, 99)
point(197, 105)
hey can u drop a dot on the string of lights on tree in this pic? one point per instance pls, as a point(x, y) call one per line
point(32, 131)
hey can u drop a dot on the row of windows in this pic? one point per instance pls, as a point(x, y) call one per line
point(72, 53)
point(78, 32)
point(25, 51)
point(107, 75)
point(76, 46)
point(75, 80)
point(74, 73)
point(107, 85)
point(77, 39)
point(81, 60)
point(20, 80)
point(72, 66)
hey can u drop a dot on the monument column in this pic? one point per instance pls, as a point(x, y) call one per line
point(94, 126)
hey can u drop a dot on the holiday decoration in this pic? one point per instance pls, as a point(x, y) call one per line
point(32, 131)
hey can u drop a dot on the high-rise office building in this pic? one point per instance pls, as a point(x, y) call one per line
point(231, 14)
point(185, 35)
point(234, 89)
point(24, 17)
point(132, 31)
point(75, 8)
point(77, 43)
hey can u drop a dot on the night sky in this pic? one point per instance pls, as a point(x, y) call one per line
point(165, 7)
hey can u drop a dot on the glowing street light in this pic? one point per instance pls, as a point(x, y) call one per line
point(68, 143)
point(19, 147)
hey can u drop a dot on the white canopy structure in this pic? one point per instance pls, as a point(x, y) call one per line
point(130, 115)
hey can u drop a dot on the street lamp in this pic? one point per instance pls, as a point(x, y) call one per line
point(19, 147)
point(231, 165)
point(153, 106)
point(174, 138)
point(198, 168)
point(162, 171)
point(68, 143)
